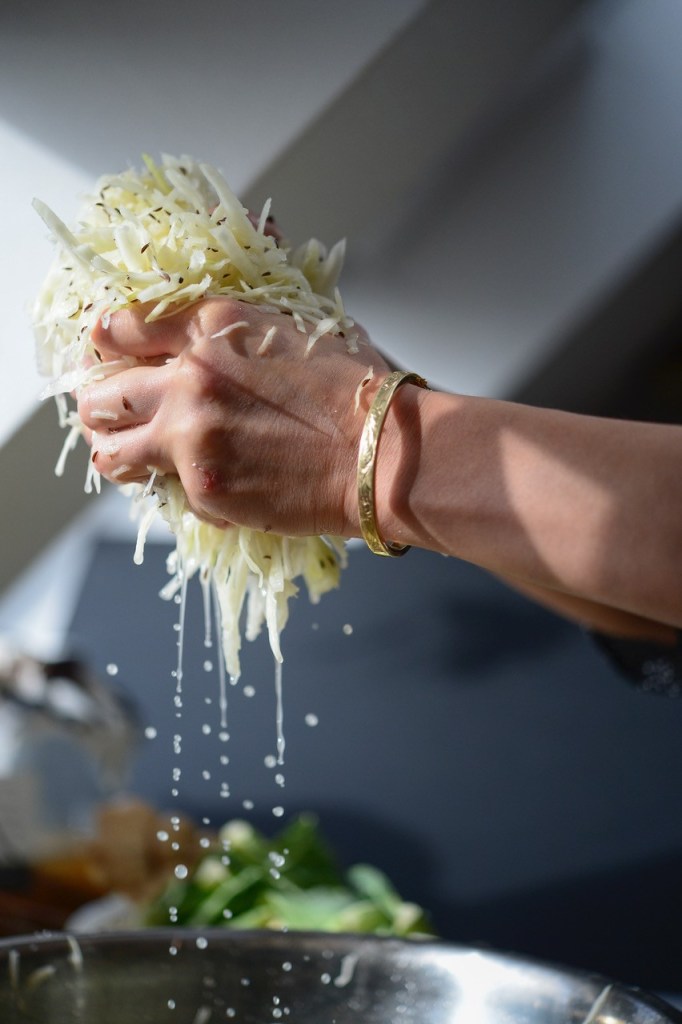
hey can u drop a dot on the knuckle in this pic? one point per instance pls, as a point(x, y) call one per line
point(204, 496)
point(197, 386)
point(219, 312)
point(204, 472)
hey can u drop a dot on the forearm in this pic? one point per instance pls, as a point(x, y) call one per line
point(583, 506)
point(598, 618)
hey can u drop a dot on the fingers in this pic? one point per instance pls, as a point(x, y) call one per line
point(128, 456)
point(132, 456)
point(118, 415)
point(124, 400)
point(127, 333)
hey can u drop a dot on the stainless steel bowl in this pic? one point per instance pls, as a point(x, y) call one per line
point(185, 977)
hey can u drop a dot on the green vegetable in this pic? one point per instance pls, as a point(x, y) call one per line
point(291, 881)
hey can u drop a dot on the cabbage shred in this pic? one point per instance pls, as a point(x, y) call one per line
point(169, 235)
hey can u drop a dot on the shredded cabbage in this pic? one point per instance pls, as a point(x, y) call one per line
point(170, 235)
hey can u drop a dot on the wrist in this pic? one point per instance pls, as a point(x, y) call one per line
point(399, 458)
point(389, 452)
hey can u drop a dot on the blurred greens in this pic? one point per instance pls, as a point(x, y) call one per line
point(291, 881)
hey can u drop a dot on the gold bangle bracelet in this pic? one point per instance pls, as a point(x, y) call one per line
point(369, 443)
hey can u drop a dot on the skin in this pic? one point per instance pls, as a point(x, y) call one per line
point(583, 514)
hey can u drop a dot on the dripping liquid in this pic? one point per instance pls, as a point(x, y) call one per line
point(212, 633)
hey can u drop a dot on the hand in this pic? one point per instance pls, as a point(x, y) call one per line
point(266, 439)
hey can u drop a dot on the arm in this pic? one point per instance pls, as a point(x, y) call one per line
point(566, 505)
point(599, 618)
point(581, 512)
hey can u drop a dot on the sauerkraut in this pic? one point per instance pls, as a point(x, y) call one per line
point(170, 234)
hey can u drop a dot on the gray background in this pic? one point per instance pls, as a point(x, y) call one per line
point(478, 749)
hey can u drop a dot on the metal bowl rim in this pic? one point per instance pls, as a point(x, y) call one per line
point(47, 942)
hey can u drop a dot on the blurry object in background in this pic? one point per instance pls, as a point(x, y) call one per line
point(653, 668)
point(124, 864)
point(66, 745)
point(241, 879)
point(135, 848)
point(291, 882)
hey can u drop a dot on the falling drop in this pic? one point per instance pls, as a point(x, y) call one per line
point(205, 580)
point(222, 681)
point(279, 715)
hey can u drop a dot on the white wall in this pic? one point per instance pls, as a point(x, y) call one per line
point(513, 242)
point(509, 242)
point(86, 88)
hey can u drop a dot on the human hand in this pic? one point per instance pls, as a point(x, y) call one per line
point(258, 433)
